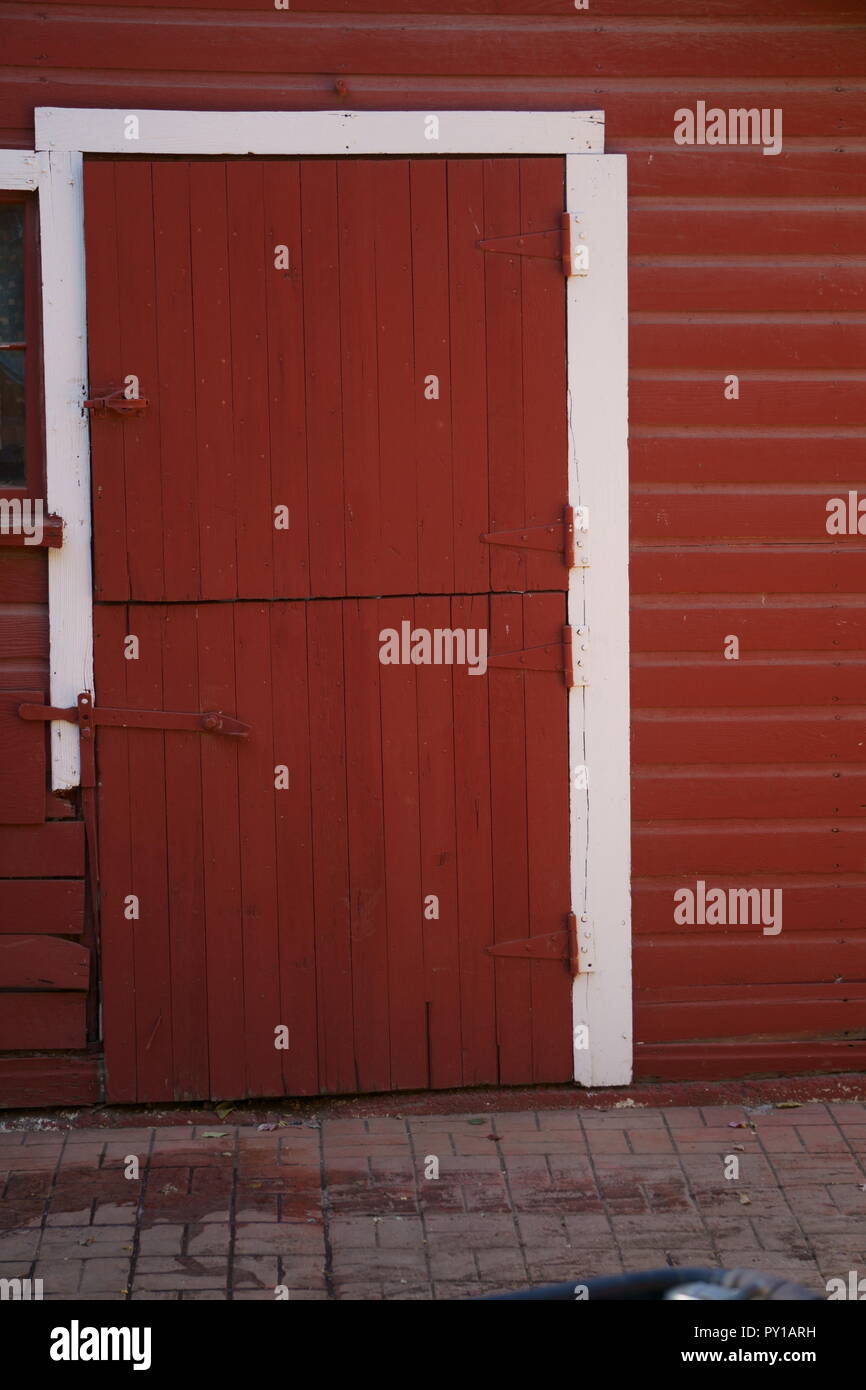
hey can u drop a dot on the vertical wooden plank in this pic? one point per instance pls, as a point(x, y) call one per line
point(432, 430)
point(147, 816)
point(505, 420)
point(330, 848)
point(213, 396)
point(397, 569)
point(117, 935)
point(253, 505)
point(223, 904)
point(323, 355)
point(176, 379)
point(545, 400)
point(407, 984)
point(510, 870)
point(144, 469)
point(599, 598)
point(67, 475)
point(361, 392)
point(468, 380)
point(294, 848)
point(185, 860)
point(472, 776)
point(286, 396)
point(546, 705)
point(256, 796)
point(439, 847)
point(105, 362)
point(367, 881)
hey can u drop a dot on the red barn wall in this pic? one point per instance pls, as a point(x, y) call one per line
point(746, 772)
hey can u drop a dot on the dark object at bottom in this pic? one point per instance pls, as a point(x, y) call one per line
point(656, 1284)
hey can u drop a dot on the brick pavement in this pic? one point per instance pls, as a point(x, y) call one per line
point(344, 1208)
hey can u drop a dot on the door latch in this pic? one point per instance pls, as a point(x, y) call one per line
point(117, 401)
point(87, 715)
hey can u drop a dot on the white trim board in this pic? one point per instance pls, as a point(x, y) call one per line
point(319, 132)
point(67, 447)
point(598, 602)
point(56, 177)
point(597, 345)
point(19, 169)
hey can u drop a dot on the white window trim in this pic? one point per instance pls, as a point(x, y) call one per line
point(19, 169)
point(597, 344)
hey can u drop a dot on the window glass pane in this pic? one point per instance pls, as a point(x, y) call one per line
point(12, 459)
point(11, 273)
point(12, 423)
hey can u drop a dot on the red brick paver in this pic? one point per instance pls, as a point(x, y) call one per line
point(431, 1207)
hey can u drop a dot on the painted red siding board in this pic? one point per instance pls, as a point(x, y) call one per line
point(33, 1021)
point(28, 851)
point(33, 1082)
point(709, 1060)
point(22, 761)
point(741, 263)
point(433, 45)
point(43, 962)
point(690, 9)
point(42, 905)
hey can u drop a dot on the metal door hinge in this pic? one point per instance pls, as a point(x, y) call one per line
point(557, 537)
point(87, 715)
point(554, 244)
point(555, 945)
point(553, 656)
point(584, 943)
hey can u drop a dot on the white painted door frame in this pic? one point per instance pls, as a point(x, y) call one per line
point(597, 345)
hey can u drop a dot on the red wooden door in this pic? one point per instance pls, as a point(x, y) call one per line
point(345, 396)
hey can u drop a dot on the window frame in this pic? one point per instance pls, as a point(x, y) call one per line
point(34, 435)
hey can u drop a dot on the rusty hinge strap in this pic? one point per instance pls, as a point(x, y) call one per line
point(558, 536)
point(553, 244)
point(553, 656)
point(547, 244)
point(555, 945)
